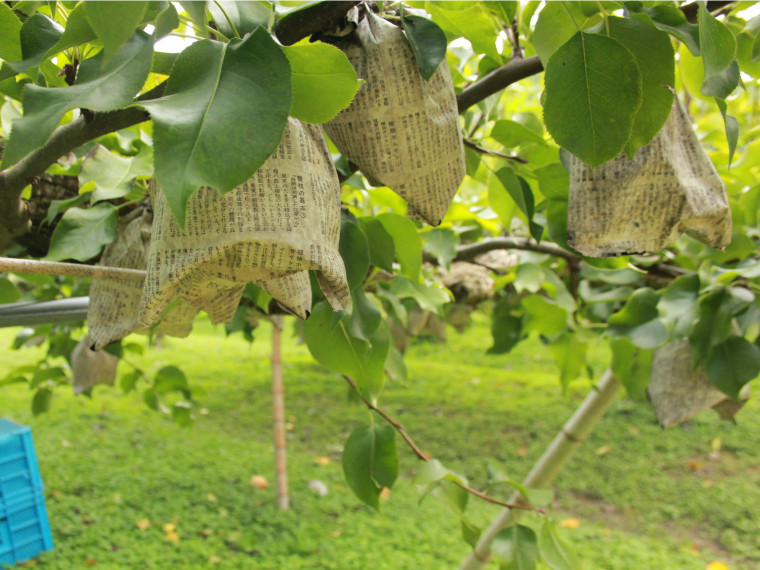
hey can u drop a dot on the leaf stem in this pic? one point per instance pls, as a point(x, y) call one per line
point(605, 16)
point(569, 15)
point(235, 33)
point(423, 457)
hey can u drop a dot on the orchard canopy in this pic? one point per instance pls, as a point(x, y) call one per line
point(584, 172)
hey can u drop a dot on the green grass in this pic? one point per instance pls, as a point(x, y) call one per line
point(109, 462)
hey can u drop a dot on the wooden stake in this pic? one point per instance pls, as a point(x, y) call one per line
point(567, 441)
point(278, 403)
point(13, 265)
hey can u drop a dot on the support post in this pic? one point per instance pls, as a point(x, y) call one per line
point(567, 441)
point(278, 404)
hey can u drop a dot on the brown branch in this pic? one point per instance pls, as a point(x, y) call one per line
point(470, 251)
point(320, 17)
point(497, 80)
point(12, 265)
point(423, 457)
point(496, 153)
point(691, 10)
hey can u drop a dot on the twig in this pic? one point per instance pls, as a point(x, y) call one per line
point(495, 153)
point(469, 251)
point(301, 24)
point(498, 79)
point(71, 269)
point(422, 456)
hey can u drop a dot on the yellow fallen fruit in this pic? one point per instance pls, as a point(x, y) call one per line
point(716, 565)
point(143, 524)
point(169, 527)
point(570, 523)
point(259, 482)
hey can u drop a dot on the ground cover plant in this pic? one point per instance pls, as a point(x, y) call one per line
point(581, 173)
point(466, 411)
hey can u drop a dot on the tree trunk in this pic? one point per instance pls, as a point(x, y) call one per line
point(567, 441)
point(278, 403)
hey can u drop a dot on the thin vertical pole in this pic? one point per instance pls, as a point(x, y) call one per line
point(278, 403)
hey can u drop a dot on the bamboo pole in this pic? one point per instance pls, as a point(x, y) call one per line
point(13, 265)
point(278, 404)
point(567, 441)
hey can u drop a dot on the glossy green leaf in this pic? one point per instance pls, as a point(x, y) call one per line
point(382, 251)
point(78, 31)
point(554, 552)
point(99, 90)
point(196, 9)
point(428, 43)
point(731, 364)
point(513, 134)
point(556, 24)
point(354, 250)
point(731, 127)
point(370, 462)
point(469, 20)
point(10, 37)
point(506, 328)
point(38, 34)
point(330, 342)
point(244, 16)
point(632, 366)
point(516, 548)
point(166, 21)
point(407, 241)
point(593, 94)
point(112, 175)
point(669, 19)
point(441, 243)
point(82, 233)
point(654, 53)
point(114, 22)
point(323, 81)
point(718, 47)
point(237, 95)
point(41, 401)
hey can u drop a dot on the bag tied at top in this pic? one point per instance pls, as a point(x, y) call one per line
point(400, 130)
point(280, 223)
point(643, 205)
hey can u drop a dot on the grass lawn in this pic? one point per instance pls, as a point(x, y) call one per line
point(644, 498)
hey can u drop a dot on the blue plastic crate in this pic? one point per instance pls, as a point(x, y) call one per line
point(24, 529)
point(19, 472)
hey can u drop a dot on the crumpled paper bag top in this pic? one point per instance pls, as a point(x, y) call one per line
point(91, 367)
point(679, 393)
point(402, 131)
point(114, 303)
point(282, 222)
point(639, 206)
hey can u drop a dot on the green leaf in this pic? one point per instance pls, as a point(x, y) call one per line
point(323, 81)
point(441, 243)
point(10, 35)
point(569, 352)
point(516, 548)
point(370, 462)
point(716, 311)
point(112, 175)
point(41, 401)
point(245, 16)
point(638, 320)
point(543, 316)
point(77, 32)
point(82, 233)
point(529, 277)
point(382, 251)
point(238, 93)
point(38, 34)
point(672, 20)
point(718, 47)
point(506, 328)
point(365, 317)
point(679, 304)
point(166, 21)
point(196, 9)
point(632, 366)
point(470, 533)
point(8, 292)
point(428, 43)
point(330, 342)
point(732, 128)
point(354, 250)
point(521, 193)
point(756, 48)
point(471, 21)
point(593, 93)
point(556, 24)
point(653, 52)
point(553, 181)
point(513, 134)
point(170, 379)
point(556, 554)
point(111, 88)
point(114, 22)
point(428, 297)
point(407, 241)
point(182, 414)
point(129, 380)
point(395, 367)
point(731, 364)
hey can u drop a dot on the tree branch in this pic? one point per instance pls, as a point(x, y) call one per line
point(470, 251)
point(317, 18)
point(496, 153)
point(13, 265)
point(423, 457)
point(497, 80)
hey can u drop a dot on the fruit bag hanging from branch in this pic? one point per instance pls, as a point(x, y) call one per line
point(270, 230)
point(114, 303)
point(643, 205)
point(400, 130)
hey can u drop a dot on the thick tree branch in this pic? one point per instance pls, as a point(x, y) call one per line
point(13, 265)
point(691, 10)
point(423, 457)
point(497, 80)
point(470, 251)
point(314, 19)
